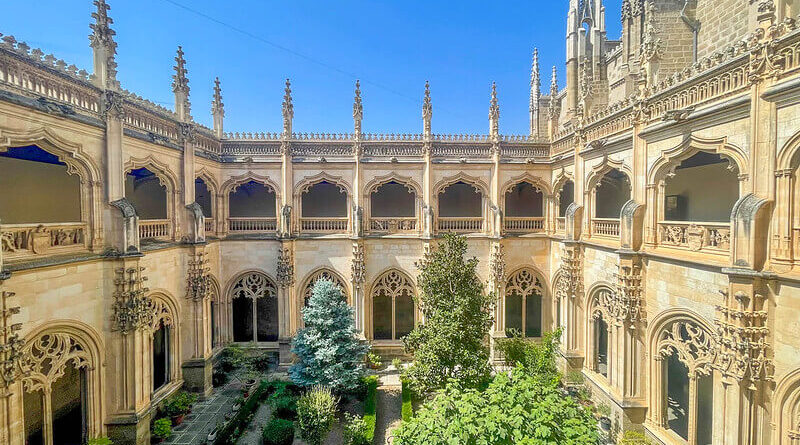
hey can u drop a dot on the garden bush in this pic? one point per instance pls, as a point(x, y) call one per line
point(232, 357)
point(407, 396)
point(162, 428)
point(316, 411)
point(100, 441)
point(356, 431)
point(516, 408)
point(535, 358)
point(284, 407)
point(370, 406)
point(179, 404)
point(278, 432)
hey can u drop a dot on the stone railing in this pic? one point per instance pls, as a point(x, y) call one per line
point(393, 225)
point(210, 226)
point(22, 240)
point(323, 225)
point(523, 224)
point(460, 224)
point(252, 225)
point(160, 229)
point(695, 236)
point(605, 227)
point(158, 128)
point(561, 224)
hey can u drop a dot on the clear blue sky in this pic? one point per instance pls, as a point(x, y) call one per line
point(392, 46)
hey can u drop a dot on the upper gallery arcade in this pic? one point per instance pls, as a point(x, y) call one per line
point(650, 212)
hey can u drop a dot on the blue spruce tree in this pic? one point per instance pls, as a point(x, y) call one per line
point(328, 351)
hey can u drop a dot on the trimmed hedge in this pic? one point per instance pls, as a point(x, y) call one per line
point(407, 395)
point(278, 432)
point(232, 430)
point(370, 406)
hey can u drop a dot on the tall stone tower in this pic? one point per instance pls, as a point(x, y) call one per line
point(586, 38)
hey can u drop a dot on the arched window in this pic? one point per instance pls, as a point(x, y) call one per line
point(601, 302)
point(601, 346)
point(215, 314)
point(252, 208)
point(255, 304)
point(204, 197)
point(703, 187)
point(524, 208)
point(324, 208)
point(47, 192)
point(56, 399)
point(613, 191)
point(393, 313)
point(147, 194)
point(566, 196)
point(393, 208)
point(460, 208)
point(325, 274)
point(523, 303)
point(683, 386)
point(161, 362)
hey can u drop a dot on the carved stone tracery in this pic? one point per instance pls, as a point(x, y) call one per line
point(253, 286)
point(324, 274)
point(133, 309)
point(693, 344)
point(198, 282)
point(628, 302)
point(742, 339)
point(45, 360)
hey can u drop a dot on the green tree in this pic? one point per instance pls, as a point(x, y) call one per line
point(327, 349)
point(316, 411)
point(535, 358)
point(516, 408)
point(451, 344)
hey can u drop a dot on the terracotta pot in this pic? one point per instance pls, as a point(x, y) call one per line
point(177, 420)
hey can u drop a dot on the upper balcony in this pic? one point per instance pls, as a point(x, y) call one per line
point(609, 189)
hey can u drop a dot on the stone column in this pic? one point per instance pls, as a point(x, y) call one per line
point(197, 370)
point(497, 274)
point(358, 278)
point(286, 301)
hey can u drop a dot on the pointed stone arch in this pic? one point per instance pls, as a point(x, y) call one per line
point(232, 183)
point(786, 409)
point(389, 319)
point(305, 183)
point(412, 185)
point(78, 163)
point(383, 218)
point(536, 181)
point(263, 307)
point(169, 181)
point(670, 159)
point(599, 317)
point(597, 172)
point(474, 181)
point(48, 350)
point(528, 284)
point(326, 273)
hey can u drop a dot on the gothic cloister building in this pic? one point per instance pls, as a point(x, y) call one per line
point(652, 212)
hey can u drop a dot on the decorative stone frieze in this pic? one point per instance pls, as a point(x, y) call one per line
point(10, 342)
point(285, 268)
point(572, 266)
point(133, 309)
point(497, 265)
point(742, 338)
point(358, 269)
point(198, 283)
point(695, 347)
point(628, 299)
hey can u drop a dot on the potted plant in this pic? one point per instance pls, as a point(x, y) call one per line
point(374, 360)
point(237, 403)
point(212, 436)
point(604, 416)
point(162, 429)
point(179, 405)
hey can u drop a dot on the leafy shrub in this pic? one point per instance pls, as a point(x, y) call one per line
point(356, 431)
point(407, 396)
point(374, 360)
point(457, 312)
point(535, 358)
point(284, 407)
point(574, 377)
point(232, 357)
point(316, 411)
point(262, 363)
point(162, 428)
point(100, 441)
point(515, 408)
point(370, 406)
point(219, 378)
point(397, 363)
point(179, 403)
point(278, 432)
point(328, 349)
point(634, 438)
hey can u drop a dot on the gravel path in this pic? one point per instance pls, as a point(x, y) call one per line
point(389, 413)
point(252, 435)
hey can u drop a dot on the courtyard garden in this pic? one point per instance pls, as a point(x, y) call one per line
point(338, 392)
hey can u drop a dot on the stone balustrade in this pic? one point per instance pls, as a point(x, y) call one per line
point(695, 236)
point(393, 225)
point(23, 240)
point(323, 225)
point(160, 229)
point(460, 224)
point(252, 225)
point(605, 227)
point(523, 224)
point(561, 224)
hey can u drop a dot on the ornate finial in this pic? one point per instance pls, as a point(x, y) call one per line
point(427, 109)
point(287, 109)
point(216, 105)
point(494, 112)
point(536, 94)
point(217, 109)
point(554, 84)
point(180, 86)
point(358, 108)
point(102, 40)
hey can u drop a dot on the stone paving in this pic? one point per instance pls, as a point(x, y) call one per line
point(205, 415)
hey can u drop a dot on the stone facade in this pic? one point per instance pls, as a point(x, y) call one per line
point(140, 306)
